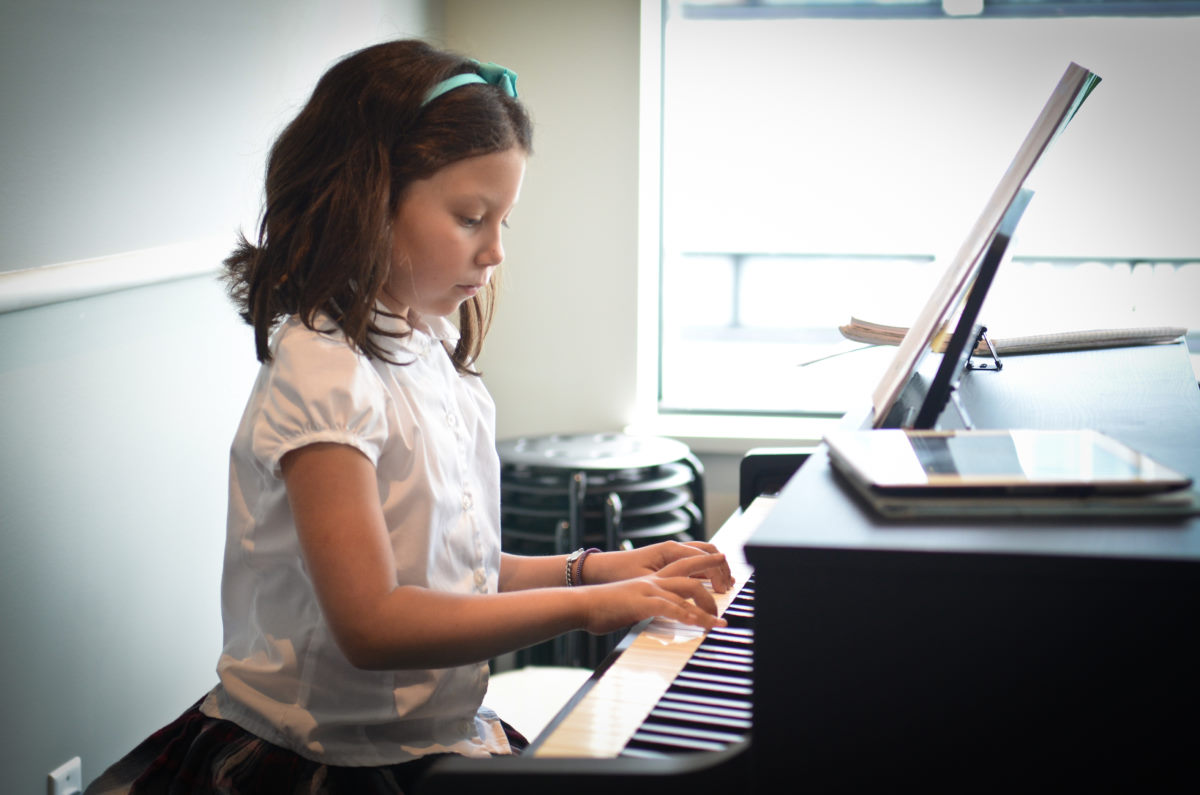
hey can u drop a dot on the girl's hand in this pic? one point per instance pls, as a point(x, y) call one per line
point(695, 559)
point(618, 605)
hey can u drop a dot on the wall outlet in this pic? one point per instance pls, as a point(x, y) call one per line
point(66, 779)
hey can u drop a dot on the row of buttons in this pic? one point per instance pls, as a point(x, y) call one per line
point(468, 501)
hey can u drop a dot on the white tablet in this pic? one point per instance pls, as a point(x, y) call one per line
point(1020, 462)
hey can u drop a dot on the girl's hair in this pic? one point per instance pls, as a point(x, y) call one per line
point(334, 182)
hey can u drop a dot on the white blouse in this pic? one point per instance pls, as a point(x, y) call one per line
point(430, 433)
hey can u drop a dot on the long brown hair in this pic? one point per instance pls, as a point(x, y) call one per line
point(335, 178)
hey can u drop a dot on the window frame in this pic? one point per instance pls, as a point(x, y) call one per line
point(733, 431)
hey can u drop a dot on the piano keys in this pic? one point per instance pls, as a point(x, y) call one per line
point(671, 702)
point(662, 658)
point(707, 706)
point(672, 689)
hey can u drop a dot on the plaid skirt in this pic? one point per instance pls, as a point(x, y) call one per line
point(198, 754)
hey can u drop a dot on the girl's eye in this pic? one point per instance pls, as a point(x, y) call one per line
point(470, 222)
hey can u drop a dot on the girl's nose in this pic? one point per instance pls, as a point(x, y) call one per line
point(492, 254)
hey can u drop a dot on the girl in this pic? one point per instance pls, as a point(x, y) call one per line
point(364, 588)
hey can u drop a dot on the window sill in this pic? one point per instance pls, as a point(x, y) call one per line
point(735, 434)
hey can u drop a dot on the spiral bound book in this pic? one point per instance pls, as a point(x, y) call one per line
point(866, 331)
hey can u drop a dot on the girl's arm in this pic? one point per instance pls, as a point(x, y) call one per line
point(380, 624)
point(518, 572)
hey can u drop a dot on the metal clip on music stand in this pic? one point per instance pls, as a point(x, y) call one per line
point(969, 336)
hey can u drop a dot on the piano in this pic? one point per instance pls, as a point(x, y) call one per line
point(1001, 655)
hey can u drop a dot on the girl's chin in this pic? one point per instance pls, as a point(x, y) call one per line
point(447, 309)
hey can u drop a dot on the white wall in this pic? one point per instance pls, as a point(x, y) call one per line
point(562, 354)
point(117, 412)
point(127, 125)
point(136, 123)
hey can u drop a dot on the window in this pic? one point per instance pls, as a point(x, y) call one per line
point(819, 161)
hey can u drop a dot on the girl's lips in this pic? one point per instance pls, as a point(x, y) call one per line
point(470, 289)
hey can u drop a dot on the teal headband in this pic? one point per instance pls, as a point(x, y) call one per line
point(489, 73)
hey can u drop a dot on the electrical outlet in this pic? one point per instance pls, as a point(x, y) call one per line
point(67, 779)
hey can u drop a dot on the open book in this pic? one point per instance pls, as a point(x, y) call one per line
point(879, 334)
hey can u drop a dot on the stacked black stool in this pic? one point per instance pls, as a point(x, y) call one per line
point(604, 490)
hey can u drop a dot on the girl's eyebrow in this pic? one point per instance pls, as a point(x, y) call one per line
point(477, 196)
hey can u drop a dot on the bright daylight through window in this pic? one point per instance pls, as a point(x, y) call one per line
point(823, 160)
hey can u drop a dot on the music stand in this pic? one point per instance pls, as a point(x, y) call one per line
point(1072, 89)
point(920, 407)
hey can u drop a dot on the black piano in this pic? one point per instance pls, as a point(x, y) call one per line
point(997, 655)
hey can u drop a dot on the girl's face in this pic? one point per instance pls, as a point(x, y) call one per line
point(446, 233)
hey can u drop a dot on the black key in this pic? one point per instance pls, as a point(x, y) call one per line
point(693, 719)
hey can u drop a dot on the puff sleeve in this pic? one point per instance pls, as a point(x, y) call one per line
point(319, 390)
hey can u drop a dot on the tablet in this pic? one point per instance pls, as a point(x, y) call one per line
point(993, 462)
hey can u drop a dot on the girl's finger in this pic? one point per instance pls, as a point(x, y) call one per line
point(688, 588)
point(703, 546)
point(692, 564)
point(714, 566)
